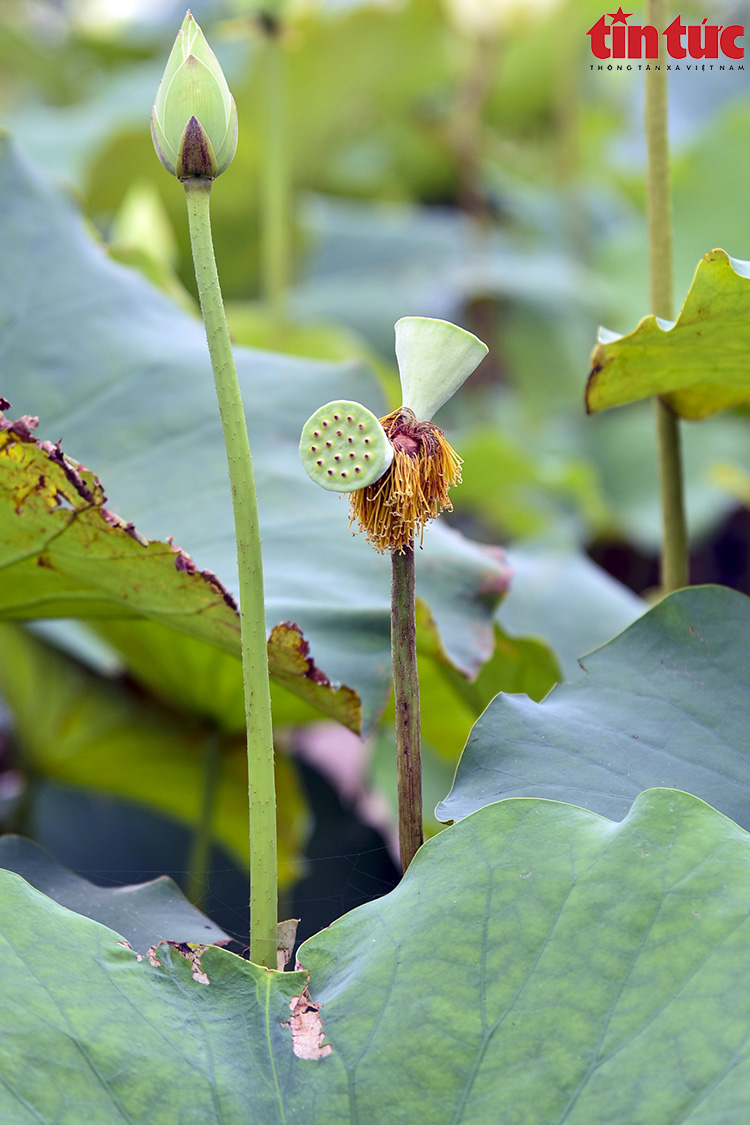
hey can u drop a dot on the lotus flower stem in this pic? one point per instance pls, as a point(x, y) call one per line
point(398, 471)
point(406, 698)
point(274, 186)
point(263, 873)
point(675, 558)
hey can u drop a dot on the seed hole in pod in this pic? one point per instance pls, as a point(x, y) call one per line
point(326, 422)
point(316, 433)
point(349, 418)
point(329, 444)
point(361, 426)
point(336, 417)
point(367, 441)
point(313, 449)
point(330, 472)
point(337, 457)
point(319, 463)
point(339, 433)
point(350, 440)
point(358, 468)
point(367, 456)
point(352, 455)
point(344, 473)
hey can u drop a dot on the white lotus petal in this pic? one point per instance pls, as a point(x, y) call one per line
point(434, 358)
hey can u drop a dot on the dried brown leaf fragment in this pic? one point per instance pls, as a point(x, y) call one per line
point(191, 953)
point(307, 1028)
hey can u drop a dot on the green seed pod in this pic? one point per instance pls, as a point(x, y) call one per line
point(194, 119)
point(344, 447)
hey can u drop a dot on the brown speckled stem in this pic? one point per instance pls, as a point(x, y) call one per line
point(406, 696)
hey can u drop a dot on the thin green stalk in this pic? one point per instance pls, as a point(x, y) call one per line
point(674, 561)
point(199, 861)
point(575, 224)
point(262, 794)
point(406, 695)
point(465, 124)
point(274, 186)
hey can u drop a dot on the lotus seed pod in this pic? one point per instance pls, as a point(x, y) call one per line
point(344, 447)
point(434, 359)
point(194, 119)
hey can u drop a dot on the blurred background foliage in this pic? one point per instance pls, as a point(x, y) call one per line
point(450, 158)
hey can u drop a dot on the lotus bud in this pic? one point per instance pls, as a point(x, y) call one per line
point(194, 119)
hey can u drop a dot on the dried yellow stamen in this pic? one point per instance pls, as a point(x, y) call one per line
point(413, 491)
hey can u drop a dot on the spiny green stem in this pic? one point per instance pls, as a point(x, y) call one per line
point(675, 559)
point(406, 696)
point(199, 863)
point(263, 873)
point(274, 187)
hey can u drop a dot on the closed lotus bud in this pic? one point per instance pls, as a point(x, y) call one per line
point(194, 119)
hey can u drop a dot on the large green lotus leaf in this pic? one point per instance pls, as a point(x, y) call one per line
point(63, 552)
point(667, 702)
point(696, 363)
point(202, 680)
point(568, 600)
point(144, 913)
point(537, 964)
point(543, 964)
point(85, 730)
point(102, 1033)
point(123, 376)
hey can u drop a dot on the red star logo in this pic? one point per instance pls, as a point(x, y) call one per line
point(619, 16)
